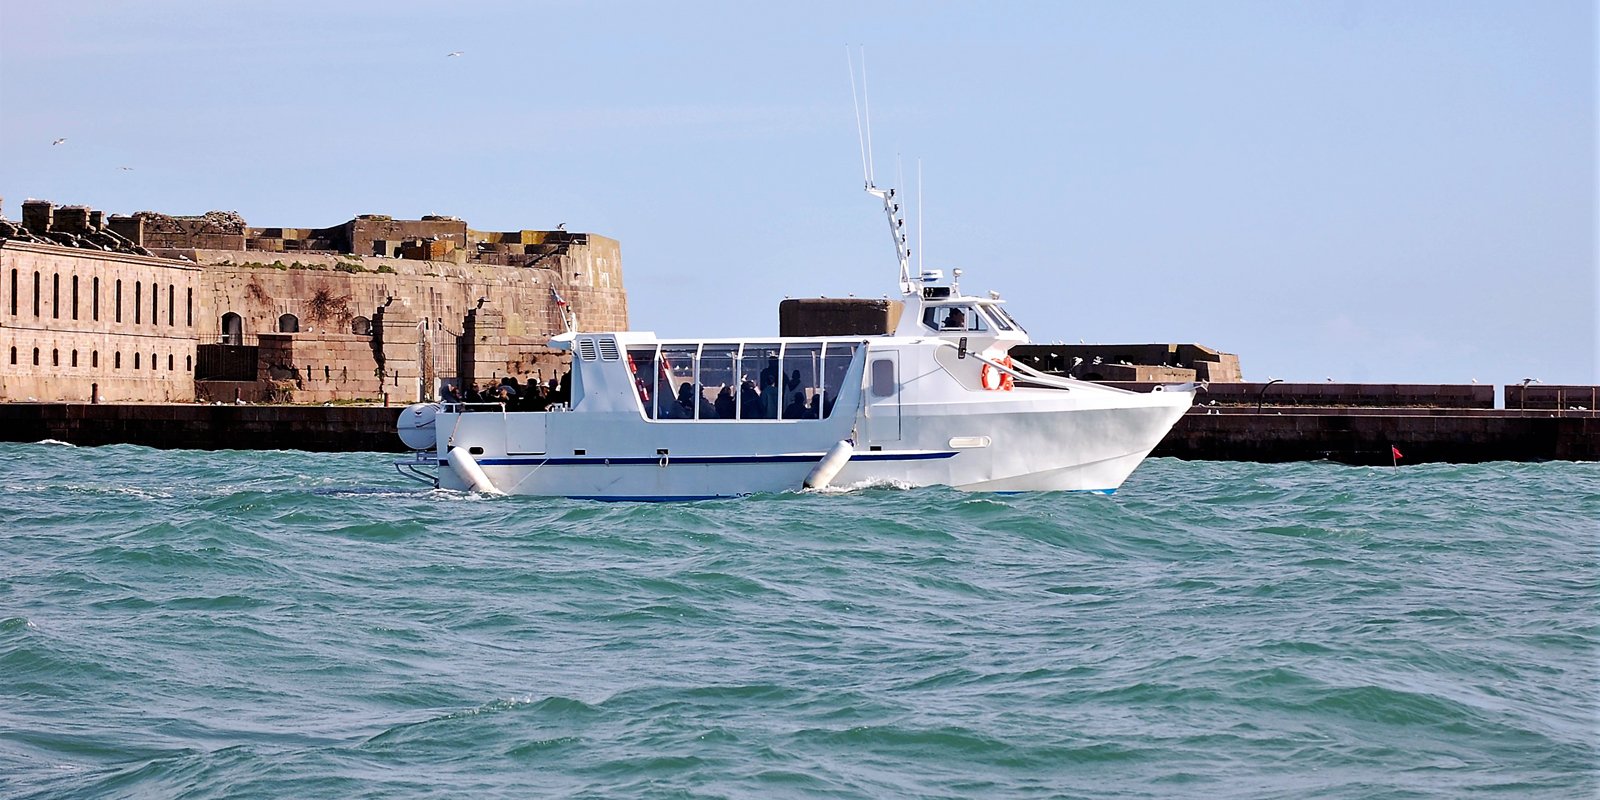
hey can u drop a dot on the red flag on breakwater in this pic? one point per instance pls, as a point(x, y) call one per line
point(1395, 451)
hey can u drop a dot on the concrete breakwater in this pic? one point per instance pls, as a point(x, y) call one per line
point(1346, 435)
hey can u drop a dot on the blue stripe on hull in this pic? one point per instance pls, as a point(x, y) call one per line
point(591, 461)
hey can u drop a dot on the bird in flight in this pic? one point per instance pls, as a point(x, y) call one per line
point(126, 169)
point(454, 54)
point(62, 140)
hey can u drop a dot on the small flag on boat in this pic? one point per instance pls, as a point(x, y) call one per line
point(560, 301)
point(1395, 452)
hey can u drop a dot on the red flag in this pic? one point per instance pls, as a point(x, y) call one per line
point(1395, 451)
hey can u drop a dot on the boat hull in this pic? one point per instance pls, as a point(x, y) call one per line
point(1037, 441)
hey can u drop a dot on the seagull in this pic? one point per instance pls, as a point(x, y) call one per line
point(561, 226)
point(126, 169)
point(62, 140)
point(454, 54)
point(1474, 380)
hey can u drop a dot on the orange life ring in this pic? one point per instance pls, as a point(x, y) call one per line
point(998, 380)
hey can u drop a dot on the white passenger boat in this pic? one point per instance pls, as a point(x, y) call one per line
point(937, 402)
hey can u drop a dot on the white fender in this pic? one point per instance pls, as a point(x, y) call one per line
point(463, 463)
point(825, 470)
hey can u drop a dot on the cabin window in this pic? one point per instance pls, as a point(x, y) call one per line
point(674, 393)
point(719, 384)
point(802, 391)
point(963, 317)
point(883, 382)
point(641, 365)
point(835, 364)
point(758, 382)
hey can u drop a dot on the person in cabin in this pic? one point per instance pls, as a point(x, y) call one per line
point(686, 404)
point(749, 400)
point(956, 320)
point(797, 407)
point(724, 405)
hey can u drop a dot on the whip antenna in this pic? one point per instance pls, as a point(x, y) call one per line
point(855, 103)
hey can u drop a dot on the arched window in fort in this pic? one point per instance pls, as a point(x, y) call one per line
point(94, 300)
point(153, 365)
point(119, 300)
point(188, 363)
point(172, 305)
point(232, 328)
point(13, 293)
point(155, 303)
point(118, 362)
point(13, 354)
point(94, 359)
point(288, 323)
point(74, 358)
point(188, 308)
point(74, 297)
point(55, 295)
point(361, 326)
point(138, 301)
point(36, 356)
point(55, 357)
point(169, 362)
point(36, 293)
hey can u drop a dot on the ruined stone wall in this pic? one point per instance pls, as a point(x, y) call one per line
point(71, 319)
point(340, 342)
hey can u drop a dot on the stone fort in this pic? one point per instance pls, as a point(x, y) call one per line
point(151, 307)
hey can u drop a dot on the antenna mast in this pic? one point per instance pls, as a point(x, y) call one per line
point(891, 207)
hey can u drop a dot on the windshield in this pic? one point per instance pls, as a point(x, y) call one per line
point(1003, 319)
point(962, 317)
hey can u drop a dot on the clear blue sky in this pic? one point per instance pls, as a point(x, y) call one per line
point(1370, 191)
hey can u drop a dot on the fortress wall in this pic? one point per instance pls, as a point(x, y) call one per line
point(71, 320)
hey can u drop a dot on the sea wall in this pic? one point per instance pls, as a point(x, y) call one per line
point(1355, 436)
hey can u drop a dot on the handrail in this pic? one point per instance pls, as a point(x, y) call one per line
point(1037, 377)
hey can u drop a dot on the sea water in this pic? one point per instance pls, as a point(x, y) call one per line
point(286, 625)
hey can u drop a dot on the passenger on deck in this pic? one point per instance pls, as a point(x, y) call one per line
point(724, 404)
point(686, 402)
point(749, 400)
point(797, 407)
